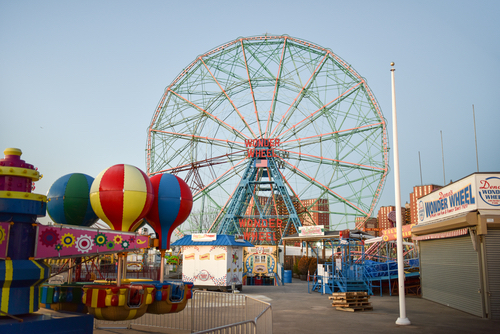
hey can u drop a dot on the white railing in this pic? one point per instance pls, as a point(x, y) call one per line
point(209, 312)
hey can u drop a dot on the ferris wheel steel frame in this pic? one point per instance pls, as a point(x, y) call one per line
point(273, 87)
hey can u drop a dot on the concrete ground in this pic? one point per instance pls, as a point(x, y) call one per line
point(297, 311)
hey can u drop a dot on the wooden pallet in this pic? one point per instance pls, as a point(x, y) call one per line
point(355, 309)
point(350, 294)
point(351, 301)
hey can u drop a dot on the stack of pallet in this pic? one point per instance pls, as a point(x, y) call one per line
point(351, 301)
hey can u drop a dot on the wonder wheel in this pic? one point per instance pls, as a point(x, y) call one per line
point(261, 121)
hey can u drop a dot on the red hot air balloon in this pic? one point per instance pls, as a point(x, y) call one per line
point(121, 196)
point(172, 205)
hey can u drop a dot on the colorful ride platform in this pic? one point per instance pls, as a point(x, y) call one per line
point(25, 243)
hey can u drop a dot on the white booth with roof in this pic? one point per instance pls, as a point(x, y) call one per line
point(213, 261)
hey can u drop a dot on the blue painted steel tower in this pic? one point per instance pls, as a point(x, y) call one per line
point(261, 207)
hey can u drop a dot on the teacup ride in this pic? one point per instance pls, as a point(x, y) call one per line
point(170, 297)
point(127, 301)
point(63, 297)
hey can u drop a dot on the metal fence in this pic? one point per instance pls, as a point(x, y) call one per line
point(88, 271)
point(209, 312)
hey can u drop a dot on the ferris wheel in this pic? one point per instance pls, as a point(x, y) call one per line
point(316, 116)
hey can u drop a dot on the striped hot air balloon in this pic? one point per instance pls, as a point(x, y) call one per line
point(69, 201)
point(171, 207)
point(122, 195)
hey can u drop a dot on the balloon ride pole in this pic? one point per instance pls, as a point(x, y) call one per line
point(162, 264)
point(119, 271)
point(402, 320)
point(70, 271)
point(125, 263)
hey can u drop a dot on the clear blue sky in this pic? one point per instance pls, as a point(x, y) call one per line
point(80, 80)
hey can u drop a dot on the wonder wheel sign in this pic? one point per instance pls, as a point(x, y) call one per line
point(272, 133)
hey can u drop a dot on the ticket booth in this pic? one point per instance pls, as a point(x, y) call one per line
point(213, 261)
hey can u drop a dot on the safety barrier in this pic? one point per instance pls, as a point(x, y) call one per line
point(90, 271)
point(209, 312)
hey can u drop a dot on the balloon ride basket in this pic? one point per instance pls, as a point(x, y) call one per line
point(133, 298)
point(104, 300)
point(48, 322)
point(66, 297)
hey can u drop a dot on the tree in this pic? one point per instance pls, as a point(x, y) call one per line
point(198, 221)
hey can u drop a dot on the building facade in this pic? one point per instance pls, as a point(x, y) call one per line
point(458, 234)
point(384, 222)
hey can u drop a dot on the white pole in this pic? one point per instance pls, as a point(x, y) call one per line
point(402, 320)
point(475, 136)
point(442, 153)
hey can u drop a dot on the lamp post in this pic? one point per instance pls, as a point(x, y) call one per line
point(402, 320)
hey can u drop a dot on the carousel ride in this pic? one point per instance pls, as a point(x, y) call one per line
point(124, 198)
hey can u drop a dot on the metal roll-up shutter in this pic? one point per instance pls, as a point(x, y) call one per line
point(492, 241)
point(450, 273)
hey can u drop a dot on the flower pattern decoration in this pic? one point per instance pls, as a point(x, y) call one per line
point(84, 243)
point(68, 240)
point(125, 244)
point(58, 247)
point(100, 239)
point(49, 237)
point(118, 239)
point(110, 245)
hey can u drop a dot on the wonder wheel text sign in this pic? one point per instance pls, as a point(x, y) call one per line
point(474, 192)
point(265, 148)
point(262, 148)
point(263, 235)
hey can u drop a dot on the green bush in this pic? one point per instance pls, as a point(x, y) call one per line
point(313, 266)
point(296, 268)
point(303, 265)
point(172, 259)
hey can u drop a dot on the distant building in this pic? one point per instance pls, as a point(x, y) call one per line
point(318, 212)
point(383, 217)
point(359, 223)
point(371, 227)
point(407, 214)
